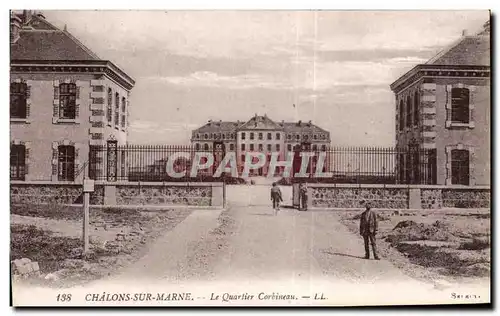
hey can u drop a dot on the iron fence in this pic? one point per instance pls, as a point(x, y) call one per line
point(343, 164)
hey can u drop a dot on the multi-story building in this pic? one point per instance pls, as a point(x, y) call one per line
point(260, 134)
point(63, 98)
point(444, 106)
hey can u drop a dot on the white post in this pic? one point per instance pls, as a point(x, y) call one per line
point(86, 215)
point(88, 186)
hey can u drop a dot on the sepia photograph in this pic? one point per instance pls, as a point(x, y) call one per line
point(166, 158)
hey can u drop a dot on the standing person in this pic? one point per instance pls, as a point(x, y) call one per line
point(276, 197)
point(303, 196)
point(368, 227)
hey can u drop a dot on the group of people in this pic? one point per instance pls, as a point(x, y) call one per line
point(368, 224)
point(277, 197)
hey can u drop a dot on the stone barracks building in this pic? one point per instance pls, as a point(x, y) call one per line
point(261, 134)
point(62, 99)
point(444, 105)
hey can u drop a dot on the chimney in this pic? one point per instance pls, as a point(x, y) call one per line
point(282, 122)
point(464, 32)
point(310, 123)
point(40, 15)
point(15, 27)
point(27, 16)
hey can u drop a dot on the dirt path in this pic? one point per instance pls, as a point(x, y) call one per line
point(302, 254)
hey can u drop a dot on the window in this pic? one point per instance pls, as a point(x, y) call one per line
point(269, 147)
point(66, 166)
point(242, 157)
point(278, 136)
point(289, 137)
point(277, 147)
point(297, 137)
point(260, 136)
point(206, 136)
point(243, 135)
point(67, 101)
point(205, 147)
point(223, 136)
point(306, 137)
point(289, 147)
point(251, 136)
point(408, 112)
point(251, 147)
point(261, 147)
point(401, 116)
point(315, 136)
point(231, 146)
point(323, 147)
point(124, 105)
point(124, 111)
point(18, 96)
point(17, 162)
point(269, 136)
point(242, 147)
point(117, 109)
point(314, 147)
point(416, 109)
point(197, 146)
point(460, 166)
point(460, 105)
point(109, 110)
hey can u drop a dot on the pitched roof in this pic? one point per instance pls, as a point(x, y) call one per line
point(259, 123)
point(40, 40)
point(218, 126)
point(468, 50)
point(302, 127)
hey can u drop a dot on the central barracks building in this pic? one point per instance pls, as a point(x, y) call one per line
point(261, 134)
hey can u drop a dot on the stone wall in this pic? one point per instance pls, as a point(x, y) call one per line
point(397, 196)
point(157, 194)
point(466, 198)
point(163, 195)
point(348, 197)
point(48, 193)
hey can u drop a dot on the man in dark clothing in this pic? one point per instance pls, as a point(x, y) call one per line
point(303, 196)
point(368, 227)
point(276, 197)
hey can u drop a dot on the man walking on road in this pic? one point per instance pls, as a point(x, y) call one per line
point(368, 227)
point(276, 197)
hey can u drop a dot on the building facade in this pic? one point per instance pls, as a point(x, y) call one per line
point(444, 106)
point(261, 134)
point(63, 98)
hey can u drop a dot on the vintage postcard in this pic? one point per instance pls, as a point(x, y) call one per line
point(250, 158)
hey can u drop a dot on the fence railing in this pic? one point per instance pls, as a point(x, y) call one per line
point(343, 164)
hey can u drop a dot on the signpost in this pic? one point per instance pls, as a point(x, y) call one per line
point(88, 187)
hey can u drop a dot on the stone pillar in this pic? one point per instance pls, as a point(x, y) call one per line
point(309, 197)
point(414, 201)
point(109, 195)
point(217, 195)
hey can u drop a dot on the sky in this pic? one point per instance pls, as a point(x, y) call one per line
point(331, 67)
